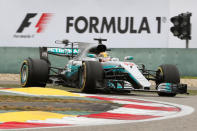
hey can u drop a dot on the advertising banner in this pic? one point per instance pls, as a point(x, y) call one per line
point(125, 23)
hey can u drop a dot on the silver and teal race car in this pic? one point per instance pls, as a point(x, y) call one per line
point(91, 69)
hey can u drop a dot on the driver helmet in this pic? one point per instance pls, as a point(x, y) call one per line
point(104, 56)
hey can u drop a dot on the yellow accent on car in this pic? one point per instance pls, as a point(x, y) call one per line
point(159, 68)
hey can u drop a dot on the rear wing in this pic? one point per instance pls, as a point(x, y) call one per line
point(66, 52)
point(63, 51)
point(71, 49)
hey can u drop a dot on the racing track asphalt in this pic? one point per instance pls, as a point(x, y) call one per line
point(185, 123)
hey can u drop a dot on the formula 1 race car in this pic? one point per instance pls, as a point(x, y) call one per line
point(91, 69)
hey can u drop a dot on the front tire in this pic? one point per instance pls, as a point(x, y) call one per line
point(34, 72)
point(167, 74)
point(90, 74)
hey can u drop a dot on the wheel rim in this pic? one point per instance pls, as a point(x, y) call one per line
point(82, 79)
point(159, 75)
point(24, 74)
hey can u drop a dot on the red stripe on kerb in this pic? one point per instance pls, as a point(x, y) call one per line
point(18, 125)
point(152, 107)
point(111, 99)
point(117, 116)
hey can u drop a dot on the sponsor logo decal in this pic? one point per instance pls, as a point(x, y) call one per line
point(67, 51)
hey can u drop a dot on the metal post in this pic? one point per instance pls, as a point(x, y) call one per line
point(187, 43)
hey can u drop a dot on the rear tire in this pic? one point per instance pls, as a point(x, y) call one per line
point(34, 72)
point(167, 74)
point(90, 73)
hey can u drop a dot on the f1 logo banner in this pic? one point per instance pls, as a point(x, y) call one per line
point(40, 25)
point(32, 27)
point(126, 24)
point(26, 22)
point(113, 25)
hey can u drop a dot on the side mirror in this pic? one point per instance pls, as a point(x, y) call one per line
point(65, 42)
point(91, 55)
point(128, 58)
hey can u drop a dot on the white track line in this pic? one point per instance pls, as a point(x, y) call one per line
point(123, 110)
point(143, 104)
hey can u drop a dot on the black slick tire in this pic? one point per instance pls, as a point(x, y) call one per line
point(90, 74)
point(167, 74)
point(34, 73)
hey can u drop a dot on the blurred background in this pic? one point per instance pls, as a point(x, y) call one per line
point(139, 28)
